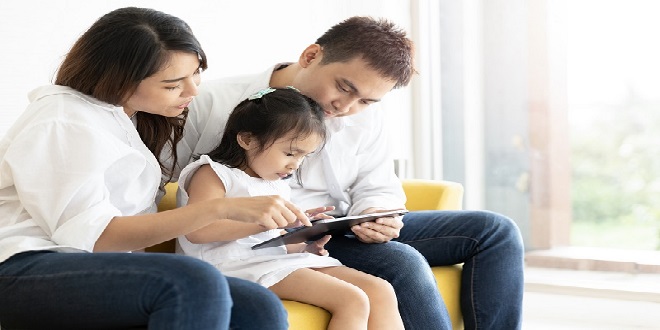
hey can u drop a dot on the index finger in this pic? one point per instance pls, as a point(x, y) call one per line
point(300, 215)
point(318, 210)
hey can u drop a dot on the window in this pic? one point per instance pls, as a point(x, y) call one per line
point(549, 116)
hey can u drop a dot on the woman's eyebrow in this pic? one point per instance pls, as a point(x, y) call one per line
point(172, 80)
point(177, 79)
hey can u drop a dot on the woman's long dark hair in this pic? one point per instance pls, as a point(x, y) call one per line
point(121, 49)
point(270, 117)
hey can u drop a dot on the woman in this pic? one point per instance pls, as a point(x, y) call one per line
point(78, 175)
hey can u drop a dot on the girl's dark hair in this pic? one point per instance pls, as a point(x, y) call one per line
point(121, 49)
point(268, 118)
point(379, 42)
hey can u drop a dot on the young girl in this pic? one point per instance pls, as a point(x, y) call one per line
point(265, 140)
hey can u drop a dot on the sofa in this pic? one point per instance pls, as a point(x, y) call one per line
point(421, 195)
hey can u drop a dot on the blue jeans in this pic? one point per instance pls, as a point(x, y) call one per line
point(489, 245)
point(49, 290)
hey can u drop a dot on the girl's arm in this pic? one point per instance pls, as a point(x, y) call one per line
point(205, 185)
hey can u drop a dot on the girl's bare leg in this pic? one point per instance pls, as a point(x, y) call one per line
point(348, 304)
point(384, 311)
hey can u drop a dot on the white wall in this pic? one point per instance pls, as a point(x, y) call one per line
point(240, 36)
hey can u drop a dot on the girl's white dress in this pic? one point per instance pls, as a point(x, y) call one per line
point(236, 258)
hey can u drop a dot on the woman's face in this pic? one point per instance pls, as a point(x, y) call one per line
point(169, 91)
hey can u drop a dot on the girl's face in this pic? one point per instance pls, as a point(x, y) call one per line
point(169, 91)
point(280, 159)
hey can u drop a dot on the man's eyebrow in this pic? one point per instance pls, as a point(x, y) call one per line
point(354, 90)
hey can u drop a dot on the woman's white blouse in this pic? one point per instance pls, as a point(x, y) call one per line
point(68, 165)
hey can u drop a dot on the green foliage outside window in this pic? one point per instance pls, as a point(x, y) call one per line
point(616, 177)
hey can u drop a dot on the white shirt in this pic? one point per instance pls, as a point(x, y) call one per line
point(236, 258)
point(69, 164)
point(361, 163)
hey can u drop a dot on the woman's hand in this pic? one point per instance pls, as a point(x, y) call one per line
point(269, 212)
point(380, 231)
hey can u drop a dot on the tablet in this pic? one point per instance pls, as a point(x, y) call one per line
point(320, 228)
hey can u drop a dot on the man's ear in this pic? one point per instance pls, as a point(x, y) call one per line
point(312, 53)
point(245, 140)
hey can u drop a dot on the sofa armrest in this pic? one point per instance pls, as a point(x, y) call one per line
point(168, 202)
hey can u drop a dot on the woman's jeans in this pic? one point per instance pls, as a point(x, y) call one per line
point(50, 290)
point(489, 246)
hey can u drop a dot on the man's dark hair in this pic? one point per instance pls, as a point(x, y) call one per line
point(379, 42)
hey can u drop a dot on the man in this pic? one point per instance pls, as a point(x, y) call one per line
point(350, 68)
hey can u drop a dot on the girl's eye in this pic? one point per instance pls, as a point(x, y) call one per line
point(172, 88)
point(288, 154)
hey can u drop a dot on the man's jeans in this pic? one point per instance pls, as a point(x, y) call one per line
point(49, 290)
point(489, 245)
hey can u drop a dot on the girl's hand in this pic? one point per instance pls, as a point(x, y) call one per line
point(317, 247)
point(318, 213)
point(313, 215)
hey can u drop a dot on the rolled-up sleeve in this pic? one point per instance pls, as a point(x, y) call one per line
point(60, 173)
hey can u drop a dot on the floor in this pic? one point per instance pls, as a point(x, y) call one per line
point(585, 300)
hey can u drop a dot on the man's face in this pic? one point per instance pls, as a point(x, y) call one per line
point(342, 88)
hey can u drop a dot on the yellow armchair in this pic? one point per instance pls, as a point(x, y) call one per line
point(421, 195)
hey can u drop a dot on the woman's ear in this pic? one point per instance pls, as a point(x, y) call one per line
point(245, 140)
point(311, 53)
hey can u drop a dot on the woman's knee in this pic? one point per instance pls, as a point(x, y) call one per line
point(192, 280)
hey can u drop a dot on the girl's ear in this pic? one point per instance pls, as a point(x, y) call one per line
point(245, 140)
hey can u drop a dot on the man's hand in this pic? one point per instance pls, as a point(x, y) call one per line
point(380, 231)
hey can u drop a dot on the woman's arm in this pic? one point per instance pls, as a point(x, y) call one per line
point(130, 233)
point(204, 219)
